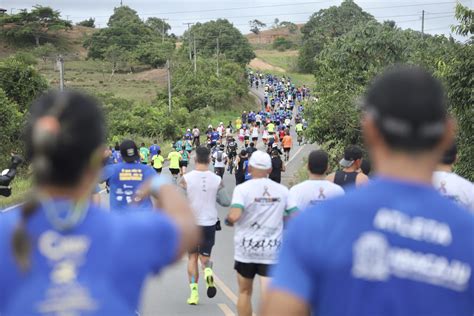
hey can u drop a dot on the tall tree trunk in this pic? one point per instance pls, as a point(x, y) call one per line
point(37, 39)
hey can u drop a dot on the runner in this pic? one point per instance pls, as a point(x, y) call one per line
point(125, 179)
point(349, 175)
point(144, 154)
point(251, 149)
point(231, 153)
point(255, 132)
point(61, 255)
point(450, 184)
point(257, 210)
point(370, 245)
point(316, 189)
point(241, 167)
point(154, 149)
point(202, 187)
point(219, 159)
point(174, 157)
point(277, 165)
point(196, 137)
point(183, 163)
point(287, 143)
point(157, 162)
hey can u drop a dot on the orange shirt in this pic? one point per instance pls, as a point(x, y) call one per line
point(287, 141)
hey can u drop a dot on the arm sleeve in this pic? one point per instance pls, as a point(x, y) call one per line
point(293, 274)
point(291, 204)
point(238, 198)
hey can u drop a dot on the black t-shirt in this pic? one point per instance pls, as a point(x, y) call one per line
point(277, 165)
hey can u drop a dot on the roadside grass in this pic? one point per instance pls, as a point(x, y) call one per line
point(94, 77)
point(20, 187)
point(288, 61)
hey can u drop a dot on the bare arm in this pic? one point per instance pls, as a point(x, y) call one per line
point(361, 179)
point(331, 177)
point(279, 303)
point(234, 215)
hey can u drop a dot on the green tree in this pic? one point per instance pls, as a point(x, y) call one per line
point(154, 54)
point(21, 82)
point(33, 25)
point(11, 121)
point(465, 16)
point(90, 22)
point(232, 44)
point(256, 26)
point(292, 27)
point(326, 25)
point(159, 26)
point(282, 44)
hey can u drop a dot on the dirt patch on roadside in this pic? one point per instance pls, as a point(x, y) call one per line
point(158, 75)
point(259, 64)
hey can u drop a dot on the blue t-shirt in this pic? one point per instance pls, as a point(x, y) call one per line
point(96, 268)
point(215, 136)
point(154, 150)
point(388, 248)
point(124, 180)
point(117, 156)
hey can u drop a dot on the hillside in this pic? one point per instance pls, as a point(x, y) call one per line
point(268, 36)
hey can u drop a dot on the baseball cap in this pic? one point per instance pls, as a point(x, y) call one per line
point(129, 151)
point(408, 106)
point(351, 154)
point(260, 160)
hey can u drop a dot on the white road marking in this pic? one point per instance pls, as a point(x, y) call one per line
point(226, 310)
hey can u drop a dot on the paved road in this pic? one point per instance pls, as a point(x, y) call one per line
point(167, 293)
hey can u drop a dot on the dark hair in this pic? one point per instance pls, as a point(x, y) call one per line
point(64, 131)
point(318, 162)
point(449, 156)
point(202, 155)
point(365, 166)
point(143, 144)
point(117, 146)
point(158, 152)
point(409, 108)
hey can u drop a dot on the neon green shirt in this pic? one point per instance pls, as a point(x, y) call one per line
point(271, 128)
point(144, 154)
point(158, 161)
point(174, 157)
point(299, 127)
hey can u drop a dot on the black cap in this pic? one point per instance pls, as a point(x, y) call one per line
point(129, 151)
point(318, 162)
point(351, 154)
point(409, 107)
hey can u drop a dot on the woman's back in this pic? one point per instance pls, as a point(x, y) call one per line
point(96, 268)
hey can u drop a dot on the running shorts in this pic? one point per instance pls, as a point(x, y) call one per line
point(158, 170)
point(287, 149)
point(174, 171)
point(183, 163)
point(208, 234)
point(254, 139)
point(249, 270)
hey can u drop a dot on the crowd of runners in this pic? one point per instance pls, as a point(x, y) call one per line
point(395, 240)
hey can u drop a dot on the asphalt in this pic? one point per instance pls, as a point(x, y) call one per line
point(166, 294)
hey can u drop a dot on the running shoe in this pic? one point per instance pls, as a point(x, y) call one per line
point(211, 288)
point(194, 297)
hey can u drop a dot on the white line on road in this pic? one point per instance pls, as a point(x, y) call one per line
point(227, 311)
point(227, 291)
point(295, 155)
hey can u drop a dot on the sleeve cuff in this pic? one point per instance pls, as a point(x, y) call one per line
point(237, 205)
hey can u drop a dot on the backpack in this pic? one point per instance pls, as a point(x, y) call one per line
point(219, 155)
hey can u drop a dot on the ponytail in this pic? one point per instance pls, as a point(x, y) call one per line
point(21, 241)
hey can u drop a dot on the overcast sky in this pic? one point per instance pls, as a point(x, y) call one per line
point(439, 14)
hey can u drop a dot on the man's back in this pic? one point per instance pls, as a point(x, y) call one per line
point(389, 248)
point(202, 188)
point(258, 233)
point(455, 188)
point(312, 192)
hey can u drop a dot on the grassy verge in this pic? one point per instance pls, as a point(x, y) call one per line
point(288, 61)
point(20, 186)
point(94, 77)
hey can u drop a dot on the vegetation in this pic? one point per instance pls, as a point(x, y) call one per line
point(32, 26)
point(90, 22)
point(219, 34)
point(326, 25)
point(256, 26)
point(282, 44)
point(127, 39)
point(346, 65)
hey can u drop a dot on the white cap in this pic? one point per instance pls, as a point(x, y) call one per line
point(260, 160)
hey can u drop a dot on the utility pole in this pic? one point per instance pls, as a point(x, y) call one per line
point(423, 23)
point(189, 35)
point(121, 3)
point(218, 51)
point(195, 55)
point(169, 84)
point(163, 31)
point(60, 63)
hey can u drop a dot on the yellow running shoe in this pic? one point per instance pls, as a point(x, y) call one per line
point(194, 297)
point(211, 288)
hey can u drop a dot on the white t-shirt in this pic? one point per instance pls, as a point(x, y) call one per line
point(455, 188)
point(258, 233)
point(258, 118)
point(220, 130)
point(255, 132)
point(219, 164)
point(201, 188)
point(312, 192)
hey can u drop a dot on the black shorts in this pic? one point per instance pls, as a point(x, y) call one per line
point(246, 137)
point(219, 171)
point(249, 270)
point(258, 124)
point(174, 171)
point(254, 139)
point(158, 170)
point(183, 163)
point(287, 149)
point(208, 235)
